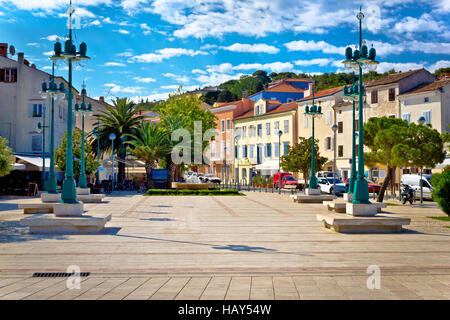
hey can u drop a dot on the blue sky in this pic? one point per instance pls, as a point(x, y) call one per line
point(146, 48)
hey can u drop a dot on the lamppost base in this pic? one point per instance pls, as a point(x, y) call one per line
point(50, 197)
point(68, 209)
point(52, 186)
point(82, 182)
point(69, 194)
point(348, 197)
point(361, 209)
point(361, 192)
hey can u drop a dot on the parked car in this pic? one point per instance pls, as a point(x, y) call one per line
point(287, 181)
point(373, 187)
point(327, 174)
point(212, 178)
point(413, 180)
point(326, 185)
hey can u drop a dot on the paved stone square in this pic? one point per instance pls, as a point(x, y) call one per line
point(261, 246)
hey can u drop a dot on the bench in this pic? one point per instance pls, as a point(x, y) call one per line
point(31, 208)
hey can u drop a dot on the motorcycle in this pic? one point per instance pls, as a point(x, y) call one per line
point(407, 194)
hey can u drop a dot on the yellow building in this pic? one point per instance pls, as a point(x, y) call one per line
point(257, 148)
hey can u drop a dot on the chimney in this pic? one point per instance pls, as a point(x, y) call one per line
point(20, 58)
point(26, 62)
point(4, 50)
point(101, 99)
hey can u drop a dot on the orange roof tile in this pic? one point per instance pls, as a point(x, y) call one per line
point(322, 93)
point(284, 87)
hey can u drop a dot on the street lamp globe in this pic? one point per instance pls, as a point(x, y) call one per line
point(421, 120)
point(280, 133)
point(112, 137)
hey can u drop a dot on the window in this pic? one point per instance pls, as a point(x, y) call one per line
point(392, 94)
point(60, 111)
point(426, 99)
point(374, 96)
point(228, 124)
point(252, 149)
point(328, 117)
point(305, 121)
point(391, 116)
point(285, 147)
point(236, 152)
point(276, 127)
point(340, 127)
point(268, 150)
point(244, 132)
point(213, 150)
point(37, 110)
point(251, 131)
point(222, 123)
point(340, 151)
point(268, 129)
point(277, 149)
point(427, 115)
point(407, 117)
point(286, 126)
point(244, 152)
point(256, 110)
point(222, 149)
point(259, 130)
point(8, 75)
point(228, 147)
point(290, 100)
point(36, 143)
point(328, 143)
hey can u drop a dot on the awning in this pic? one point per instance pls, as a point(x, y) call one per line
point(268, 165)
point(443, 164)
point(35, 161)
point(18, 166)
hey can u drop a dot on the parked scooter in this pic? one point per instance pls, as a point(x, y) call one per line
point(407, 194)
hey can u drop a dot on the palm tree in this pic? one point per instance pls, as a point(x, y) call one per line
point(121, 119)
point(151, 143)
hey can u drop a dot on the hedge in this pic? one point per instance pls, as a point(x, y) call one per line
point(441, 190)
point(187, 192)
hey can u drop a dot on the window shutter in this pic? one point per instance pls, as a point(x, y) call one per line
point(427, 115)
point(328, 117)
point(30, 110)
point(305, 122)
point(2, 75)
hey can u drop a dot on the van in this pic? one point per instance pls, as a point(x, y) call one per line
point(287, 181)
point(413, 180)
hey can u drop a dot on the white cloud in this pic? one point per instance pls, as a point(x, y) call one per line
point(183, 79)
point(144, 80)
point(439, 64)
point(48, 5)
point(114, 64)
point(320, 62)
point(166, 53)
point(273, 66)
point(53, 38)
point(49, 53)
point(424, 23)
point(115, 88)
point(146, 28)
point(301, 45)
point(257, 47)
point(386, 66)
point(198, 71)
point(174, 87)
point(152, 97)
point(213, 79)
point(127, 53)
point(33, 44)
point(122, 31)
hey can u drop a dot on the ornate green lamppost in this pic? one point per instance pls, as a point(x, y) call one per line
point(70, 55)
point(97, 134)
point(82, 110)
point(360, 59)
point(313, 112)
point(352, 94)
point(51, 89)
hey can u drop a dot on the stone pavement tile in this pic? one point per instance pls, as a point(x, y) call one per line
point(262, 288)
point(170, 289)
point(284, 288)
point(216, 289)
point(146, 290)
point(51, 290)
point(124, 289)
point(193, 289)
point(8, 281)
point(239, 288)
point(92, 290)
point(29, 290)
point(18, 285)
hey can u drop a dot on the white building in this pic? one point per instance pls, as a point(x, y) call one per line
point(22, 108)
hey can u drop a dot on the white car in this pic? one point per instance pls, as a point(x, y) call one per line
point(413, 180)
point(326, 185)
point(212, 178)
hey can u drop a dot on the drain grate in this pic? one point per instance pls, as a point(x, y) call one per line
point(59, 274)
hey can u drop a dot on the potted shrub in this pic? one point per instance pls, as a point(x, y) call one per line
point(270, 182)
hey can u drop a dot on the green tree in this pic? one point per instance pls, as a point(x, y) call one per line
point(384, 136)
point(121, 118)
point(226, 96)
point(90, 160)
point(150, 144)
point(181, 111)
point(261, 76)
point(441, 190)
point(423, 146)
point(298, 157)
point(441, 71)
point(5, 157)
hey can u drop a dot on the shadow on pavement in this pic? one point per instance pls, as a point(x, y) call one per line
point(8, 206)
